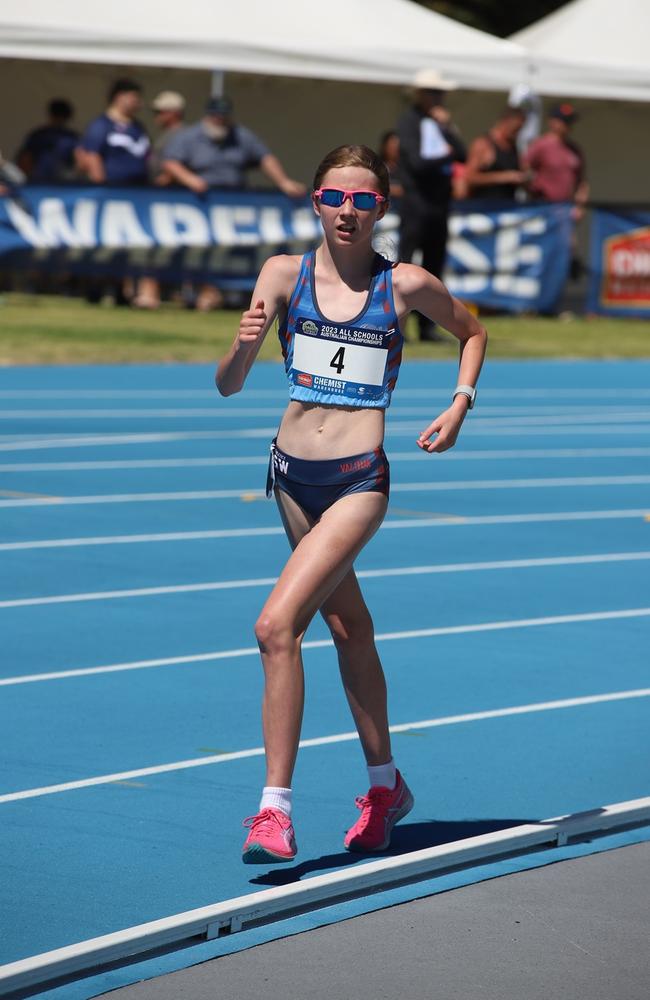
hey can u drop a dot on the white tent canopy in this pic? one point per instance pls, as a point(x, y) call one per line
point(592, 48)
point(374, 41)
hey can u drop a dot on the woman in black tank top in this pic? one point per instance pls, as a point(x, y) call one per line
point(493, 165)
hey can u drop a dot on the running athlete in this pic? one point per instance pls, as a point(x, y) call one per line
point(341, 310)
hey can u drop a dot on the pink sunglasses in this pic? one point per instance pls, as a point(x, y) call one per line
point(363, 200)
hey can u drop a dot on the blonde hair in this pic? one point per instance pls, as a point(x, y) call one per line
point(354, 156)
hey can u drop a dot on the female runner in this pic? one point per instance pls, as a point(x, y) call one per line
point(341, 310)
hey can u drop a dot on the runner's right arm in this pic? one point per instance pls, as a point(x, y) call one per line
point(271, 294)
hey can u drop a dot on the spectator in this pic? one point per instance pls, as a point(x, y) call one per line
point(168, 108)
point(12, 179)
point(558, 164)
point(494, 169)
point(47, 153)
point(215, 154)
point(523, 96)
point(559, 172)
point(429, 145)
point(115, 147)
point(389, 153)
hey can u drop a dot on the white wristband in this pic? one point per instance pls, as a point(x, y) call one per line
point(466, 390)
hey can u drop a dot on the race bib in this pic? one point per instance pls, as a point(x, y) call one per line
point(332, 358)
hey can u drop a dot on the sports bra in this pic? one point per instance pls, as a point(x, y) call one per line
point(342, 364)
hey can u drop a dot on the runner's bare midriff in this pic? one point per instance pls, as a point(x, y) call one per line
point(316, 432)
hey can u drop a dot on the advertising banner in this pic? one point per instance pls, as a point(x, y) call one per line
point(620, 263)
point(511, 257)
point(514, 258)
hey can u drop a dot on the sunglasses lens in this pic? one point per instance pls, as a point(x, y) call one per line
point(331, 197)
point(364, 200)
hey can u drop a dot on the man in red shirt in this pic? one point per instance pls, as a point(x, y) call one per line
point(557, 163)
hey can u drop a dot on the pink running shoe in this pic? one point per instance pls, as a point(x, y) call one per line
point(271, 838)
point(380, 809)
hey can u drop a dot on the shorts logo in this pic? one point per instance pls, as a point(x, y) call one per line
point(356, 466)
point(309, 327)
point(304, 379)
point(281, 464)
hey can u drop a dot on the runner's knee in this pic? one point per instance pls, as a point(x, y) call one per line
point(275, 636)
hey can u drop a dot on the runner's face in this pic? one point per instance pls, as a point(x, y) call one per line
point(347, 225)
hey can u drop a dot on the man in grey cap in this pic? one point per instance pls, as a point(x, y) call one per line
point(429, 146)
point(216, 153)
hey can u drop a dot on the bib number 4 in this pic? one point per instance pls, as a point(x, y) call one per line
point(337, 360)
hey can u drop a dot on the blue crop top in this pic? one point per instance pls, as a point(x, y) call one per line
point(342, 364)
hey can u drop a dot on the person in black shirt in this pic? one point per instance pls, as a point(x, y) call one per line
point(47, 153)
point(429, 146)
point(493, 165)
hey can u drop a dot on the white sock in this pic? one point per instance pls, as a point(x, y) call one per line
point(276, 798)
point(383, 775)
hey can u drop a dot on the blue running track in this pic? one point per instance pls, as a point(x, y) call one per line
point(136, 550)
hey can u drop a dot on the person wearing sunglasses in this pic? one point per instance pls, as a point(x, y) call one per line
point(341, 311)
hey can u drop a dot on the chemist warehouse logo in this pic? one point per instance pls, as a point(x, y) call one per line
point(626, 269)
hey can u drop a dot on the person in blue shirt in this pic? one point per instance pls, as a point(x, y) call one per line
point(47, 153)
point(115, 147)
point(341, 311)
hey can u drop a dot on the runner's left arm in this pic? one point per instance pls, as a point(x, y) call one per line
point(421, 291)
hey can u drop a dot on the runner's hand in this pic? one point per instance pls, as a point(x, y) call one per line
point(252, 324)
point(446, 427)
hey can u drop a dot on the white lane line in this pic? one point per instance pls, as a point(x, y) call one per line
point(572, 417)
point(443, 521)
point(29, 443)
point(227, 654)
point(491, 455)
point(145, 463)
point(393, 429)
point(319, 741)
point(137, 413)
point(557, 482)
point(533, 483)
point(172, 536)
point(363, 574)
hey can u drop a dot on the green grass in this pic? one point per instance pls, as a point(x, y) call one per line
point(51, 330)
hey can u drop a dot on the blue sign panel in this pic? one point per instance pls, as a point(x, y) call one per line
point(514, 258)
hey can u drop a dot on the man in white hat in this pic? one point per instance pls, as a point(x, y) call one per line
point(429, 146)
point(168, 108)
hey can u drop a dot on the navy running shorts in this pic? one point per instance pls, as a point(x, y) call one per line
point(316, 485)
